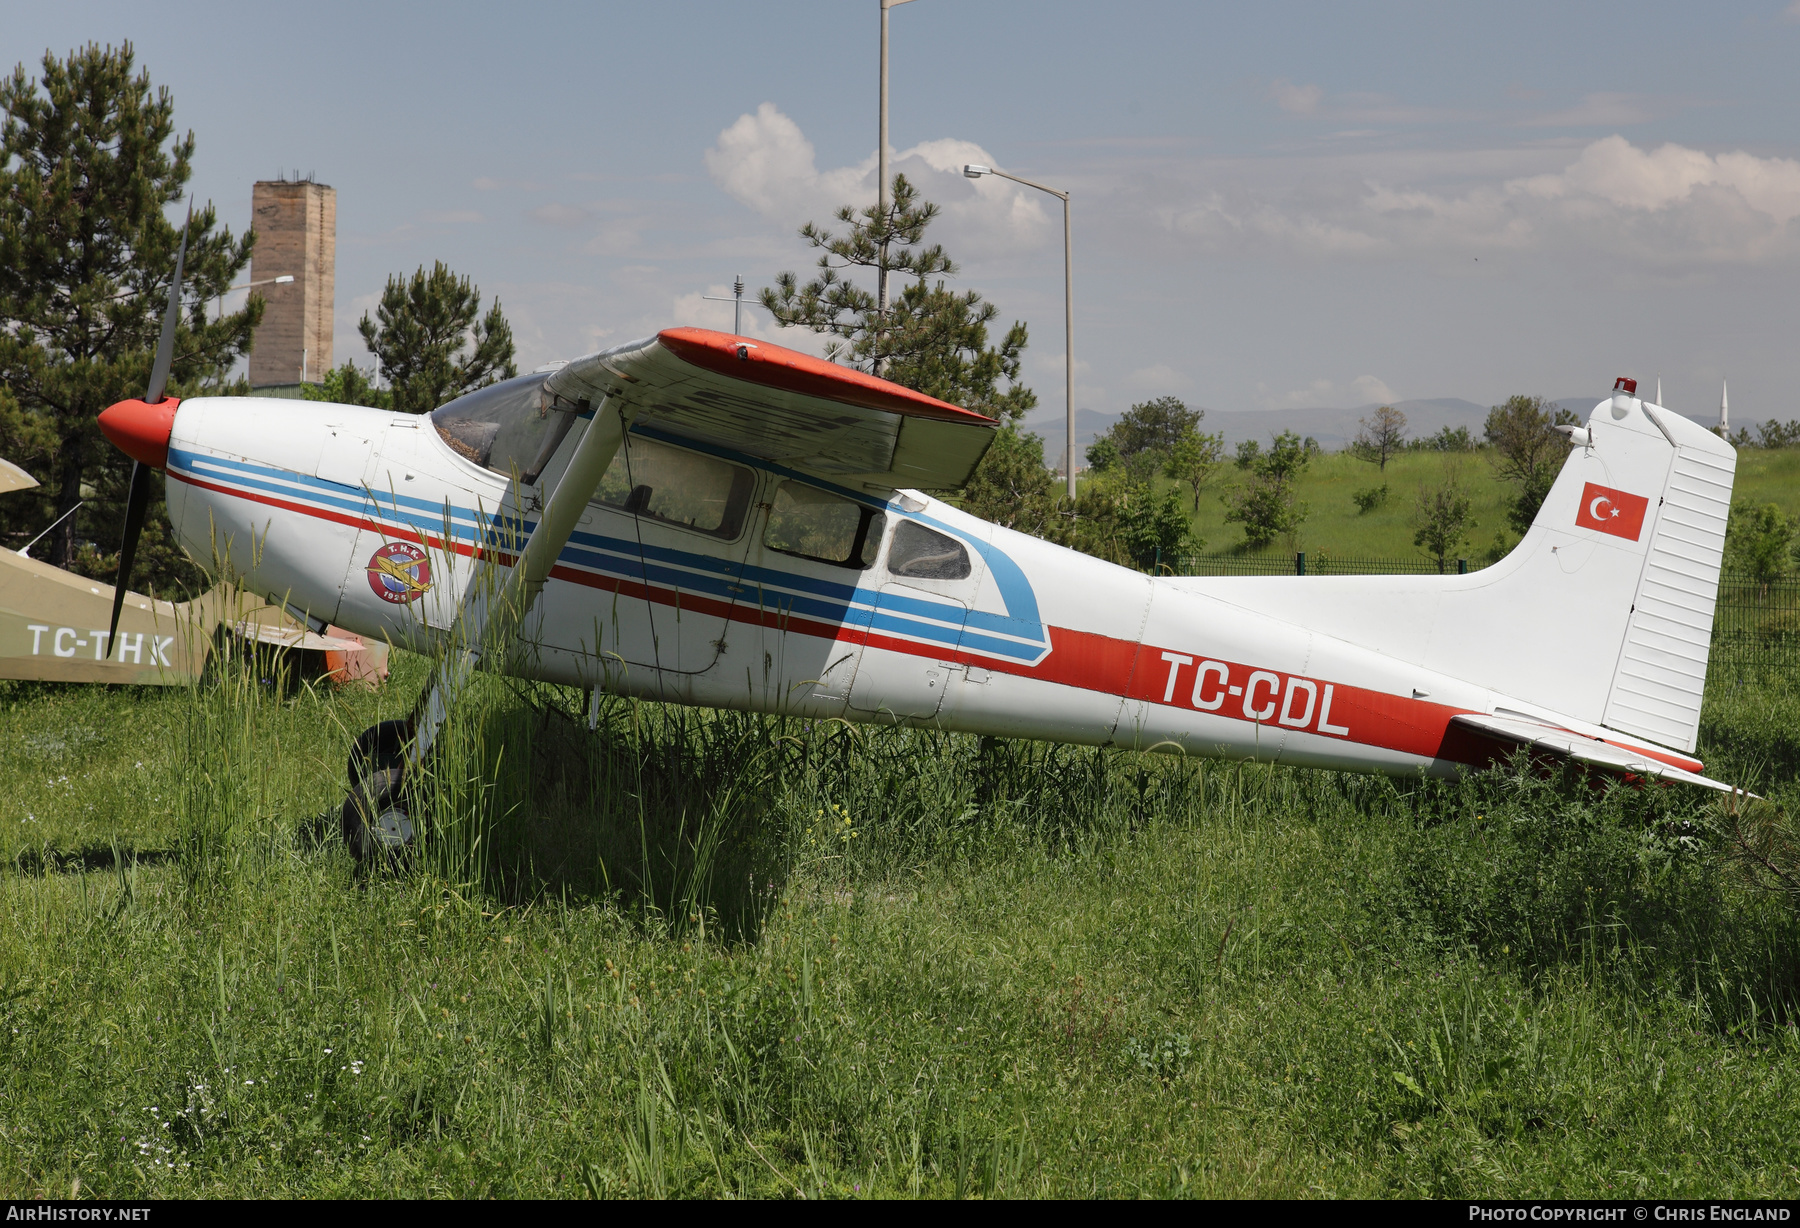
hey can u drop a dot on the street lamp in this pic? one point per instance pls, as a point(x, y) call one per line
point(267, 281)
point(283, 280)
point(974, 171)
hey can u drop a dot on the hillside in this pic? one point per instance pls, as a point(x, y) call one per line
point(1333, 428)
point(1335, 526)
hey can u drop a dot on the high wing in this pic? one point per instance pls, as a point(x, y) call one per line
point(14, 478)
point(1583, 749)
point(783, 406)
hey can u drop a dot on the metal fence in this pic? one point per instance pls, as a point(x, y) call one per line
point(1756, 626)
point(1316, 563)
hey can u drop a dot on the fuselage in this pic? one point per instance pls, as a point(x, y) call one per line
point(765, 589)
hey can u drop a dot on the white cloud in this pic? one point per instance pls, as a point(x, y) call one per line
point(766, 162)
point(1366, 388)
point(1295, 99)
point(1617, 172)
point(1666, 205)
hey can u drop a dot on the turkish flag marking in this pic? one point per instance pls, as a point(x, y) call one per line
point(1612, 511)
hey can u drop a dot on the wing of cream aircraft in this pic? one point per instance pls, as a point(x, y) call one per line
point(705, 519)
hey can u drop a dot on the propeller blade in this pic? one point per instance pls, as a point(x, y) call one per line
point(165, 345)
point(136, 504)
point(138, 501)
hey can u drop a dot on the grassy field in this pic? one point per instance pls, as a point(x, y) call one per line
point(699, 954)
point(1336, 527)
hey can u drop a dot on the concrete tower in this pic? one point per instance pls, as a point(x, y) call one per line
point(296, 234)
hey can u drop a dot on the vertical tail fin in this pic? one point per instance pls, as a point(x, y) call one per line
point(1661, 670)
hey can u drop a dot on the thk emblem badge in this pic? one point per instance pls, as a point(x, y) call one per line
point(399, 573)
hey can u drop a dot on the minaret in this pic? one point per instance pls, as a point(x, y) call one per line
point(1659, 399)
point(1724, 410)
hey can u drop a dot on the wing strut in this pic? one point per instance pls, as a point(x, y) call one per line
point(497, 601)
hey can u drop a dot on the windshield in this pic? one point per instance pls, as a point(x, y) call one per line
point(512, 427)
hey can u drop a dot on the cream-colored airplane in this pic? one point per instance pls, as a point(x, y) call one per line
point(54, 626)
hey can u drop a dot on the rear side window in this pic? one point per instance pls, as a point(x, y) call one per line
point(656, 481)
point(926, 554)
point(806, 521)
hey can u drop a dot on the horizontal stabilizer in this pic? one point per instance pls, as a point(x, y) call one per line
point(1584, 749)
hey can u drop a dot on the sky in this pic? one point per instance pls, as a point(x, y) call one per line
point(1273, 205)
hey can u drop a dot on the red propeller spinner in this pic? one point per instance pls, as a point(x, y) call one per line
point(141, 430)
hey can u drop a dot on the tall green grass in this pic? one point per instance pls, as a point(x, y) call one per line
point(695, 953)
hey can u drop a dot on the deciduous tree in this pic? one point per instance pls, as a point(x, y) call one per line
point(1442, 518)
point(1759, 542)
point(1527, 451)
point(1265, 505)
point(1380, 436)
point(1195, 459)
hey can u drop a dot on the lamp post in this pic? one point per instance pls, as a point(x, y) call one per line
point(881, 176)
point(974, 171)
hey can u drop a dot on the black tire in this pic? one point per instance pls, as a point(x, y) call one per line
point(377, 820)
point(379, 748)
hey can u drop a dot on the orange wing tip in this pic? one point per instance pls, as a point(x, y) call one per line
point(775, 366)
point(141, 431)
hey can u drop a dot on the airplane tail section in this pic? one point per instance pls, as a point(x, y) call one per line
point(1602, 613)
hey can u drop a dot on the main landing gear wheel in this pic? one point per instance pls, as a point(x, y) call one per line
point(376, 818)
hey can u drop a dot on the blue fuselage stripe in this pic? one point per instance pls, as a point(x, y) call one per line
point(948, 623)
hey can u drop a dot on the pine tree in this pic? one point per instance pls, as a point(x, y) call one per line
point(425, 324)
point(348, 385)
point(89, 160)
point(932, 340)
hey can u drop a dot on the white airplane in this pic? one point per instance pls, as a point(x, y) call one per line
point(700, 518)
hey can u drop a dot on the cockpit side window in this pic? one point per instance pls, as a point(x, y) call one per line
point(813, 524)
point(925, 554)
point(659, 482)
point(513, 427)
